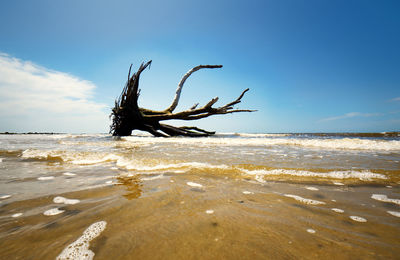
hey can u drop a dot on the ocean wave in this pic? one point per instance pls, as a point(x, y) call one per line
point(332, 143)
point(361, 175)
point(151, 165)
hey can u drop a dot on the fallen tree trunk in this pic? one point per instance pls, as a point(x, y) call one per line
point(127, 115)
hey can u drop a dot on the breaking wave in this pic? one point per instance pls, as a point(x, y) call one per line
point(330, 143)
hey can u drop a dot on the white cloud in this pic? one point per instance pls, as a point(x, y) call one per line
point(34, 98)
point(395, 99)
point(350, 115)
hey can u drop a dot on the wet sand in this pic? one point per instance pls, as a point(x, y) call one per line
point(208, 216)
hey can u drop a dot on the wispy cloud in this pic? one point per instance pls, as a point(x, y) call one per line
point(395, 99)
point(31, 94)
point(350, 115)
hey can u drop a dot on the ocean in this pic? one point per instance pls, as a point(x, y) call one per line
point(229, 196)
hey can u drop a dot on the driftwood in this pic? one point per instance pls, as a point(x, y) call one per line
point(127, 115)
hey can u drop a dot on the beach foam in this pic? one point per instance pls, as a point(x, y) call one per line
point(16, 215)
point(80, 248)
point(209, 211)
point(312, 231)
point(247, 192)
point(5, 196)
point(304, 200)
point(63, 200)
point(337, 210)
point(69, 174)
point(52, 212)
point(384, 198)
point(394, 213)
point(46, 178)
point(312, 188)
point(358, 219)
point(193, 184)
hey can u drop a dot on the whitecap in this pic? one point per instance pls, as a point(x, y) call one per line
point(304, 200)
point(80, 248)
point(358, 219)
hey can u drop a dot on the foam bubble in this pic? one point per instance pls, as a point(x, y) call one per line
point(304, 200)
point(46, 178)
point(65, 200)
point(312, 231)
point(358, 219)
point(337, 210)
point(16, 215)
point(394, 213)
point(193, 184)
point(248, 192)
point(384, 198)
point(80, 248)
point(209, 211)
point(52, 212)
point(338, 183)
point(69, 174)
point(5, 196)
point(312, 188)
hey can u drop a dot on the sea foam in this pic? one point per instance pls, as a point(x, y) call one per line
point(63, 200)
point(193, 184)
point(265, 140)
point(52, 212)
point(394, 213)
point(384, 198)
point(361, 175)
point(304, 200)
point(80, 248)
point(358, 219)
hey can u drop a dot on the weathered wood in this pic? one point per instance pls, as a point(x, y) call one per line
point(127, 115)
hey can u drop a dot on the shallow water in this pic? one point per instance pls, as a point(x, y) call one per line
point(239, 196)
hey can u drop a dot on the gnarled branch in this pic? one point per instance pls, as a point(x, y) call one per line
point(180, 85)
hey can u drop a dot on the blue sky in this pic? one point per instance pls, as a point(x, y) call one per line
point(311, 66)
